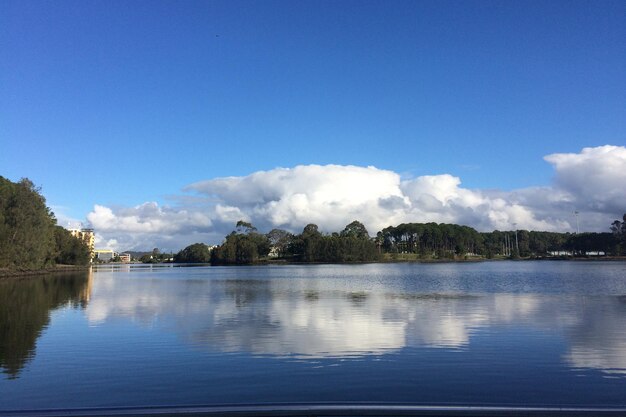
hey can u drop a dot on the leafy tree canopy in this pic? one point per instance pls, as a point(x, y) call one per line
point(196, 253)
point(243, 246)
point(245, 227)
point(69, 249)
point(356, 230)
point(29, 237)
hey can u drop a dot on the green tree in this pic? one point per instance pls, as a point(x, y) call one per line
point(195, 253)
point(351, 245)
point(356, 230)
point(280, 240)
point(26, 226)
point(311, 243)
point(70, 250)
point(242, 246)
point(618, 229)
point(245, 227)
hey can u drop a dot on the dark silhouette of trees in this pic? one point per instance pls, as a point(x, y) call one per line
point(582, 243)
point(246, 245)
point(195, 253)
point(431, 239)
point(243, 246)
point(26, 226)
point(618, 229)
point(423, 240)
point(355, 230)
point(29, 237)
point(353, 244)
point(69, 249)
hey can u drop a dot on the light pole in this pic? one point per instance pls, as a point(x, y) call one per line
point(577, 228)
point(516, 243)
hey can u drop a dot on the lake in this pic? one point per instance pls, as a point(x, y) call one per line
point(545, 333)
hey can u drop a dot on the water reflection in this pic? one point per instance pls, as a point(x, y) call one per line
point(25, 306)
point(313, 318)
point(599, 337)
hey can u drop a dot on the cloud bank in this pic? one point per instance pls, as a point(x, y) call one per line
point(592, 182)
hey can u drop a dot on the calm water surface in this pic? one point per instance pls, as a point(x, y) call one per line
point(492, 333)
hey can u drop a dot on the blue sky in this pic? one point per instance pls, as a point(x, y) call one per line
point(119, 103)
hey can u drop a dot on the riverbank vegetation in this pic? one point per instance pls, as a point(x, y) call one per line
point(29, 237)
point(405, 242)
point(245, 245)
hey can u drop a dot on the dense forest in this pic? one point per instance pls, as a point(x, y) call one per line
point(451, 241)
point(426, 241)
point(29, 236)
point(245, 245)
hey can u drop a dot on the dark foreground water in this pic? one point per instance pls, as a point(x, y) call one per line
point(493, 333)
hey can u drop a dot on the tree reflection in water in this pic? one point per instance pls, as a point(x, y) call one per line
point(25, 306)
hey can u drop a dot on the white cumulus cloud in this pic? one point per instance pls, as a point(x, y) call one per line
point(595, 179)
point(292, 197)
point(149, 225)
point(592, 182)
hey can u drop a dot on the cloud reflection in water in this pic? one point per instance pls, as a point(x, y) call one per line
point(308, 318)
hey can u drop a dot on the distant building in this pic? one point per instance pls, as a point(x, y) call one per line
point(124, 257)
point(561, 253)
point(104, 255)
point(87, 236)
point(571, 253)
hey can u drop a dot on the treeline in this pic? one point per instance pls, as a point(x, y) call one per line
point(352, 244)
point(245, 245)
point(29, 236)
point(432, 240)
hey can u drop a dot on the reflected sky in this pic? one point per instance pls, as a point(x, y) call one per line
point(324, 316)
point(521, 333)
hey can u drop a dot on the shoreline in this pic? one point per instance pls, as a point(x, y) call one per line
point(17, 273)
point(414, 261)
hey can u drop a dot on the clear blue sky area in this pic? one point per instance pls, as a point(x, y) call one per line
point(121, 102)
